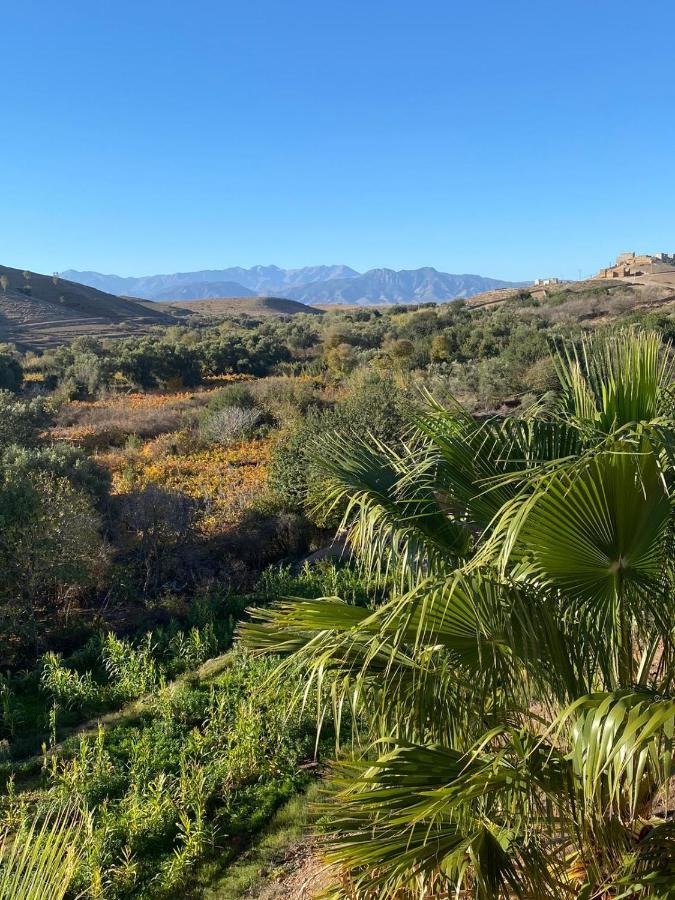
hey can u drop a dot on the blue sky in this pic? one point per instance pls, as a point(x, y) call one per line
point(507, 139)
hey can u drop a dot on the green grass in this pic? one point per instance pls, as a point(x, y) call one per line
point(264, 861)
point(195, 761)
point(190, 774)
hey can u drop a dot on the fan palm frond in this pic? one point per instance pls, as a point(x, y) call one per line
point(420, 817)
point(512, 698)
point(393, 522)
point(612, 380)
point(40, 861)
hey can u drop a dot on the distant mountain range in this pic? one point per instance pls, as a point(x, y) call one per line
point(388, 286)
point(259, 281)
point(311, 285)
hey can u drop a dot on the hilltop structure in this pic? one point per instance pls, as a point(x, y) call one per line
point(630, 265)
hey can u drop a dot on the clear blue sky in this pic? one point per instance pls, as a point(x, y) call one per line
point(511, 139)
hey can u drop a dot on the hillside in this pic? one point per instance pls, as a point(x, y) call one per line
point(591, 299)
point(252, 306)
point(37, 311)
point(311, 285)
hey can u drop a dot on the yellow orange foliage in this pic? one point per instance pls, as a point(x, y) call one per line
point(135, 400)
point(147, 400)
point(225, 479)
point(78, 434)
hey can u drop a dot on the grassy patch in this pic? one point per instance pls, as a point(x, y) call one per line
point(265, 860)
point(188, 757)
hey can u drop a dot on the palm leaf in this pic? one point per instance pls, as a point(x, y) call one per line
point(431, 819)
point(40, 862)
point(611, 380)
point(591, 528)
point(505, 694)
point(467, 460)
point(393, 523)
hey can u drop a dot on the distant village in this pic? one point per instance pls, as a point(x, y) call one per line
point(632, 265)
point(629, 265)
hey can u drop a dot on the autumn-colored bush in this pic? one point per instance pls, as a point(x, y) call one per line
point(224, 480)
point(107, 422)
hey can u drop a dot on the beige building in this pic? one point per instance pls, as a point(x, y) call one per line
point(631, 264)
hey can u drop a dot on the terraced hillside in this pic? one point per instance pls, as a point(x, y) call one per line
point(590, 299)
point(38, 311)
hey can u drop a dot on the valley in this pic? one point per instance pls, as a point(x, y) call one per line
point(337, 451)
point(169, 480)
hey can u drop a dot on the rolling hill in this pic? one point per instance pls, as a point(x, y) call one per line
point(252, 306)
point(206, 290)
point(309, 285)
point(38, 311)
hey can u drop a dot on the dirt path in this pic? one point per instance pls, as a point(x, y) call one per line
point(304, 876)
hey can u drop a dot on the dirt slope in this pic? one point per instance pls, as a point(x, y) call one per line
point(38, 311)
point(648, 292)
point(304, 877)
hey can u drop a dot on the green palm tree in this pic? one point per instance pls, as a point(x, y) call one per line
point(514, 697)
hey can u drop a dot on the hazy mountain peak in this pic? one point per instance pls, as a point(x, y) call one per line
point(309, 284)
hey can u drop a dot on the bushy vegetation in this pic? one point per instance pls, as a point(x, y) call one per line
point(515, 690)
point(11, 372)
point(194, 770)
point(502, 478)
point(202, 766)
point(50, 529)
point(189, 770)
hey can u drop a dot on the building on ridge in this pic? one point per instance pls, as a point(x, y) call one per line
point(631, 265)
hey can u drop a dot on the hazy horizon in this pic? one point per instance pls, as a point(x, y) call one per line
point(310, 265)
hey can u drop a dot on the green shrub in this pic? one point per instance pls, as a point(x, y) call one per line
point(373, 405)
point(11, 373)
point(132, 671)
point(237, 394)
point(50, 547)
point(284, 399)
point(62, 461)
point(21, 421)
point(323, 579)
point(66, 686)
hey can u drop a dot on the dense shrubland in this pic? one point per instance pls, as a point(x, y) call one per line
point(480, 476)
point(192, 766)
point(515, 691)
point(454, 340)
